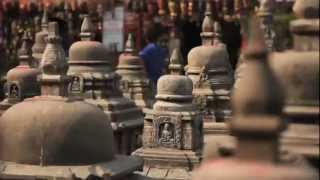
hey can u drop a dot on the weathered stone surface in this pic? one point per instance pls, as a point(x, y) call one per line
point(115, 169)
point(232, 169)
point(55, 139)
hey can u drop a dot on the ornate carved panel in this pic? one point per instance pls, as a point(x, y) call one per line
point(76, 86)
point(124, 84)
point(14, 91)
point(167, 131)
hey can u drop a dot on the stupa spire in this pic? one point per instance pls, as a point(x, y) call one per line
point(25, 52)
point(257, 119)
point(44, 20)
point(130, 46)
point(54, 65)
point(257, 45)
point(175, 66)
point(87, 29)
point(217, 32)
point(207, 24)
point(207, 34)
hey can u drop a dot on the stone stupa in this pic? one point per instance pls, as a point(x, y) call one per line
point(22, 80)
point(94, 79)
point(172, 135)
point(212, 76)
point(134, 82)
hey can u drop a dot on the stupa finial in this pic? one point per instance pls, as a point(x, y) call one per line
point(257, 110)
point(207, 24)
point(87, 29)
point(175, 66)
point(25, 52)
point(45, 19)
point(257, 45)
point(53, 60)
point(130, 46)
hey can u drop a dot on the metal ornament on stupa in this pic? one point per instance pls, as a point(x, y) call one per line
point(172, 136)
point(22, 80)
point(53, 136)
point(257, 125)
point(298, 71)
point(40, 40)
point(95, 81)
point(212, 75)
point(134, 83)
point(265, 15)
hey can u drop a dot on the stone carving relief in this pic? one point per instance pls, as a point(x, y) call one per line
point(203, 79)
point(124, 86)
point(167, 131)
point(14, 91)
point(166, 136)
point(76, 85)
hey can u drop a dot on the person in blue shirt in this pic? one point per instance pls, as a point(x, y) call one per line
point(154, 54)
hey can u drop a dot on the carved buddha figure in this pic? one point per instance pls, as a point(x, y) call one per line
point(14, 91)
point(166, 137)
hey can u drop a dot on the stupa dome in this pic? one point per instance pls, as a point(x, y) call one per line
point(174, 87)
point(23, 75)
point(88, 52)
point(212, 55)
point(53, 130)
point(130, 65)
point(207, 56)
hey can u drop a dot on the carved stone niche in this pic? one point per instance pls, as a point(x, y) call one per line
point(14, 92)
point(173, 130)
point(167, 131)
point(76, 85)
